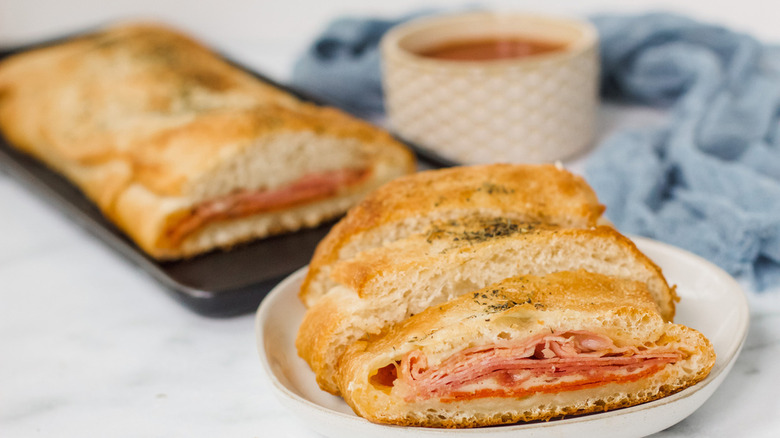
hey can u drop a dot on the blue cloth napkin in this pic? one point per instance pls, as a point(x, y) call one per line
point(708, 181)
point(342, 65)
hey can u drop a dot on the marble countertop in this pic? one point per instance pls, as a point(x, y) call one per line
point(92, 346)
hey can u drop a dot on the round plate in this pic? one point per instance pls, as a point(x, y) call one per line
point(711, 302)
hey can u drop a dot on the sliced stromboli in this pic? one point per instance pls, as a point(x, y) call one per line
point(526, 348)
point(384, 286)
point(182, 150)
point(409, 205)
point(288, 170)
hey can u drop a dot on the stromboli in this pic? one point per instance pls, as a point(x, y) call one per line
point(485, 358)
point(161, 133)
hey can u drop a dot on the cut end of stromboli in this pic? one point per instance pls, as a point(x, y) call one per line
point(526, 348)
point(283, 181)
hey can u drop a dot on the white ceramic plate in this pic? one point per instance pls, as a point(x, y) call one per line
point(711, 302)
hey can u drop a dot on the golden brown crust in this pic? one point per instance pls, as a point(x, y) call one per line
point(458, 242)
point(537, 193)
point(559, 412)
point(92, 97)
point(138, 115)
point(316, 328)
point(620, 309)
point(579, 291)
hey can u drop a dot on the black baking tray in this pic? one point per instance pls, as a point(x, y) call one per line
point(217, 284)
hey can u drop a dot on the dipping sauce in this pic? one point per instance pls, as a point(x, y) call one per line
point(490, 49)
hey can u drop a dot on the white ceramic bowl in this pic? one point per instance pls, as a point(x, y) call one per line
point(532, 109)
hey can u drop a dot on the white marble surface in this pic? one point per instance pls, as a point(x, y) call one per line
point(91, 346)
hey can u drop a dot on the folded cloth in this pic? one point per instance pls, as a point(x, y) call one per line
point(342, 65)
point(708, 181)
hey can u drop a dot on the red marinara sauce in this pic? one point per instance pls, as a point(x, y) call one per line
point(490, 49)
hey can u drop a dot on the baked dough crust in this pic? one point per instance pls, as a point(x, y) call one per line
point(522, 193)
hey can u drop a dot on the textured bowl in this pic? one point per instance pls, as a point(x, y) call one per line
point(534, 109)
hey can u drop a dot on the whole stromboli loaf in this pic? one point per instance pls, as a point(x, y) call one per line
point(487, 295)
point(182, 150)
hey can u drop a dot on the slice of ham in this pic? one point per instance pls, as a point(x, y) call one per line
point(244, 203)
point(545, 363)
